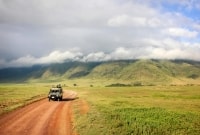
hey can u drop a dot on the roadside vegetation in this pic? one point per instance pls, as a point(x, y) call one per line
point(13, 96)
point(144, 110)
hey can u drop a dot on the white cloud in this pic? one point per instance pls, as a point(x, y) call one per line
point(197, 26)
point(98, 56)
point(122, 53)
point(59, 57)
point(170, 51)
point(154, 22)
point(126, 20)
point(181, 32)
point(169, 54)
point(31, 31)
point(53, 57)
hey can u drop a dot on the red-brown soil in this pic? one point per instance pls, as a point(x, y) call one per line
point(41, 118)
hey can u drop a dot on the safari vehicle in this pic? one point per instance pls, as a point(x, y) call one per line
point(56, 93)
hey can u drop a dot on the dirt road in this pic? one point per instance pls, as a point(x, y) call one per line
point(40, 118)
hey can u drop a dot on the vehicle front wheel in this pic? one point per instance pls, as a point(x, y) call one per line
point(60, 99)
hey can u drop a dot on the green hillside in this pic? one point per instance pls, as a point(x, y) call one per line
point(148, 71)
point(145, 72)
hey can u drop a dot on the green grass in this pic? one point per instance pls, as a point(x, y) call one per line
point(151, 120)
point(139, 110)
point(13, 96)
point(145, 110)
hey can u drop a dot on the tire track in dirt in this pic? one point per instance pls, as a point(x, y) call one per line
point(40, 118)
point(59, 119)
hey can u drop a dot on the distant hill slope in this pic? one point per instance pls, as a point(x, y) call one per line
point(144, 71)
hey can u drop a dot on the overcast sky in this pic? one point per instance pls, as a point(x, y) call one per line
point(49, 31)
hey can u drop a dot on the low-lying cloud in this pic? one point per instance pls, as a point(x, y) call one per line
point(120, 53)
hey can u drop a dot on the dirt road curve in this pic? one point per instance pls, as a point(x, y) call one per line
point(40, 118)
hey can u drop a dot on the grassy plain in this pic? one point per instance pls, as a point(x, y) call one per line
point(147, 110)
point(13, 96)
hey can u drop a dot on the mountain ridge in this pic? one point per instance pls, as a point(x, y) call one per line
point(144, 71)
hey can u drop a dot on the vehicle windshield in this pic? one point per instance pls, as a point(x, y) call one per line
point(54, 91)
